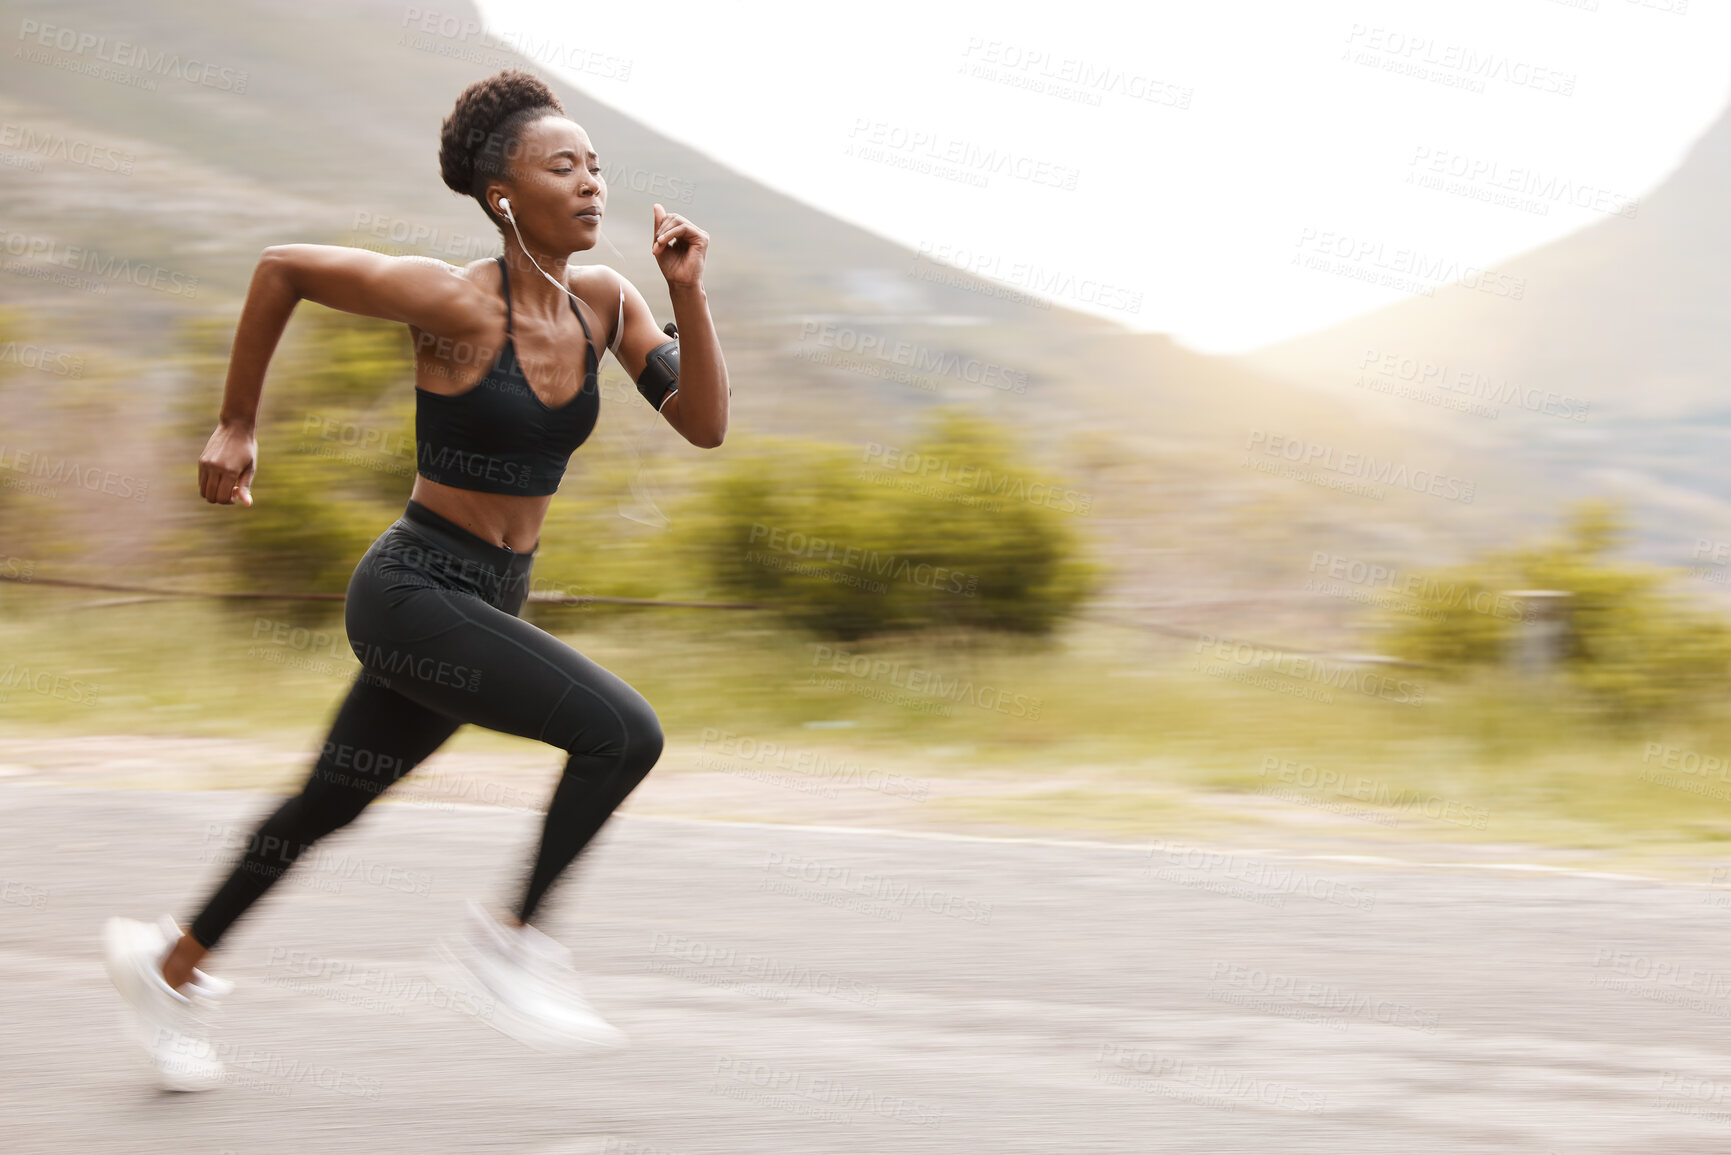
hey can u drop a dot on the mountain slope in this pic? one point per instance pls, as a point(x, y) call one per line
point(1629, 316)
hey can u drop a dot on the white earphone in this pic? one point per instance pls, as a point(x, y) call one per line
point(505, 210)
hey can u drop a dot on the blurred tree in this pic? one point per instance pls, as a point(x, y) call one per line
point(1628, 645)
point(344, 362)
point(336, 449)
point(953, 531)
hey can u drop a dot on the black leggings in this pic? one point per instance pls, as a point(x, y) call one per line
point(432, 616)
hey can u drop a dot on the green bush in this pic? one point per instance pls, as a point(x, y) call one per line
point(588, 549)
point(305, 532)
point(851, 544)
point(335, 450)
point(1627, 645)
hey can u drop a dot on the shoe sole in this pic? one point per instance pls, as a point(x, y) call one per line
point(522, 1028)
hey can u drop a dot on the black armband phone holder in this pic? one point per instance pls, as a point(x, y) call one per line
point(660, 377)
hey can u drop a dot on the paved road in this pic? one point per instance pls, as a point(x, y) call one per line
point(809, 991)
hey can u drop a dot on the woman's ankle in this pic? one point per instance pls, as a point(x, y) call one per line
point(186, 954)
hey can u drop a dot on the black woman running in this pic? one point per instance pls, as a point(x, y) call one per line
point(432, 607)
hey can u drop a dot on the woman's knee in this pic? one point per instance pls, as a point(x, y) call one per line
point(644, 742)
point(634, 740)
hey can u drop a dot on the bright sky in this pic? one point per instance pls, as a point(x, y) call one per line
point(1164, 164)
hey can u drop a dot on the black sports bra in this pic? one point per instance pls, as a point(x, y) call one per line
point(498, 437)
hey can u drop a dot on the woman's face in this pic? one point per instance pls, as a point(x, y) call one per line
point(557, 194)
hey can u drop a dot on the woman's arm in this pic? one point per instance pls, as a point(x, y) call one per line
point(419, 291)
point(698, 409)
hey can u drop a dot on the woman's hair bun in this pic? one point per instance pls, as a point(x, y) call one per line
point(475, 140)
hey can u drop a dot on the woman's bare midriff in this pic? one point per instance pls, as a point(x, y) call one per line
point(499, 518)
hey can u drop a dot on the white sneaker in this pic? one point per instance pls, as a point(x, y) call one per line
point(211, 987)
point(530, 986)
point(173, 1028)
